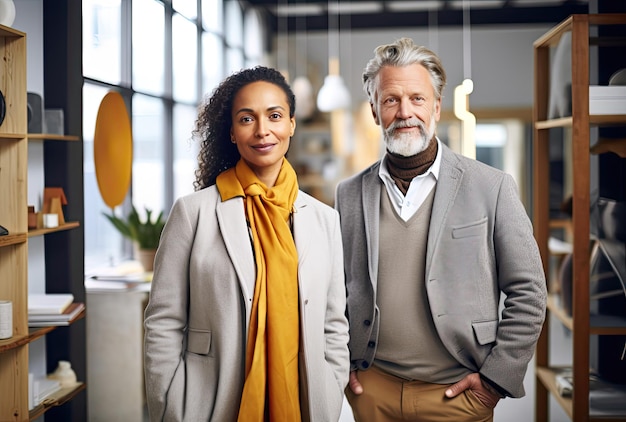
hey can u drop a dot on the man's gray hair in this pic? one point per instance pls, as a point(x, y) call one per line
point(403, 52)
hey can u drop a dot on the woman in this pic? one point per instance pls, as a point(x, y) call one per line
point(246, 314)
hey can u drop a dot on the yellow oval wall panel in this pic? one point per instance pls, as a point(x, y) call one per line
point(113, 149)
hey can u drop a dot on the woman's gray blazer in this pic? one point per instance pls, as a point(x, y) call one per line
point(480, 244)
point(197, 318)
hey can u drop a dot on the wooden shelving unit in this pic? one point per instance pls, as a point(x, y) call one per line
point(581, 323)
point(14, 250)
point(60, 247)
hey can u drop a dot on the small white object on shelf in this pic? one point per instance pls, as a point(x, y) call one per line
point(64, 374)
point(564, 385)
point(50, 221)
point(6, 319)
point(559, 247)
point(607, 99)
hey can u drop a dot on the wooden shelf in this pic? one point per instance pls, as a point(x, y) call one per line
point(12, 136)
point(51, 137)
point(594, 120)
point(12, 239)
point(598, 324)
point(67, 226)
point(6, 31)
point(33, 334)
point(547, 376)
point(56, 399)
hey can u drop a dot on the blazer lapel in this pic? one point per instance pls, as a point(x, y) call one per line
point(300, 229)
point(232, 223)
point(450, 175)
point(372, 188)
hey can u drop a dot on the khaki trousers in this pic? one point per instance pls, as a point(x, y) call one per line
point(387, 398)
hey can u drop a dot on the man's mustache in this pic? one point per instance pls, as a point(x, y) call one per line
point(399, 124)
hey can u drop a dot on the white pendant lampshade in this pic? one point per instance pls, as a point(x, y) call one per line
point(333, 95)
point(305, 101)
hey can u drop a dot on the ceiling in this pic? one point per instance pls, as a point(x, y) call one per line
point(312, 15)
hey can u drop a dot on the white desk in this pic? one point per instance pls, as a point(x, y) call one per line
point(115, 350)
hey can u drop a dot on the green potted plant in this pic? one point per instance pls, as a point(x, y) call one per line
point(144, 234)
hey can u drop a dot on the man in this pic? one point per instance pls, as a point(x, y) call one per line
point(431, 241)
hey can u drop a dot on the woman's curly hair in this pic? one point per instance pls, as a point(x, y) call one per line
point(212, 127)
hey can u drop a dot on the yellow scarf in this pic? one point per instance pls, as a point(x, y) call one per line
point(271, 389)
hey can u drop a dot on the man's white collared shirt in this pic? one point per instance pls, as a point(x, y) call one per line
point(420, 187)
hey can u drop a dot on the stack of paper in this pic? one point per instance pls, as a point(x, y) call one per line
point(52, 309)
point(42, 388)
point(66, 318)
point(49, 303)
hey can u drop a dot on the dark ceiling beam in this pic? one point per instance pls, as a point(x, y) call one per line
point(504, 15)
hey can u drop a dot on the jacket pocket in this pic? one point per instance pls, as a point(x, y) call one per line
point(475, 228)
point(199, 341)
point(485, 331)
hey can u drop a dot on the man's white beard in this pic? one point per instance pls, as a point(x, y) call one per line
point(407, 144)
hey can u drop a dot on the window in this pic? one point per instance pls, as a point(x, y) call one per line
point(163, 56)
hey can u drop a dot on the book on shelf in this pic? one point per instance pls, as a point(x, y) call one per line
point(66, 318)
point(605, 398)
point(49, 303)
point(42, 388)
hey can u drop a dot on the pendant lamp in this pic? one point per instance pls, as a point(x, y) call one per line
point(461, 92)
point(334, 94)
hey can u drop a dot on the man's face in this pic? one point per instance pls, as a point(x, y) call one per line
point(406, 108)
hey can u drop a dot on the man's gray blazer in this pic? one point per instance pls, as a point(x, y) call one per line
point(480, 244)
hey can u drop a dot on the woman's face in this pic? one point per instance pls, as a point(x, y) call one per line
point(262, 128)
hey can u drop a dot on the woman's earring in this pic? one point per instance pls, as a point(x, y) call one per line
point(233, 140)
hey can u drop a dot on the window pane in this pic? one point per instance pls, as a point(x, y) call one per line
point(184, 59)
point(148, 46)
point(185, 150)
point(234, 27)
point(103, 243)
point(187, 8)
point(253, 37)
point(102, 40)
point(213, 64)
point(234, 60)
point(212, 15)
point(148, 153)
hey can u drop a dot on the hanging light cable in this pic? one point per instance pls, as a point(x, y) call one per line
point(302, 87)
point(433, 30)
point(334, 94)
point(462, 92)
point(282, 48)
